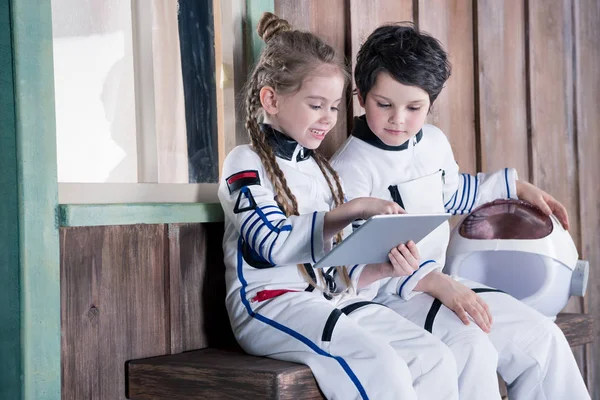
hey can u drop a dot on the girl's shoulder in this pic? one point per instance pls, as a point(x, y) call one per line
point(241, 157)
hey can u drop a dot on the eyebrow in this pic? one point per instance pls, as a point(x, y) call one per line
point(321, 98)
point(390, 101)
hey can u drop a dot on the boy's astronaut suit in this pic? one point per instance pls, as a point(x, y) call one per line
point(421, 175)
point(357, 349)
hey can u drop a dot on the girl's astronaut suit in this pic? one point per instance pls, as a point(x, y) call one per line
point(527, 349)
point(356, 349)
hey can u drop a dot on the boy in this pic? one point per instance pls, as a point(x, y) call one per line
point(392, 154)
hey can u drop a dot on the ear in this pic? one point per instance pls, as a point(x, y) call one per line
point(361, 100)
point(268, 100)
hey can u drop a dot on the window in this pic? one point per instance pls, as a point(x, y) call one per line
point(145, 105)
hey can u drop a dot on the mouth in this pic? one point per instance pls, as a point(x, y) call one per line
point(318, 133)
point(395, 132)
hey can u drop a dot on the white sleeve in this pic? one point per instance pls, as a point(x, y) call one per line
point(249, 203)
point(404, 286)
point(464, 192)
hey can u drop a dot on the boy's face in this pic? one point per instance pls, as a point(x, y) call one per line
point(395, 112)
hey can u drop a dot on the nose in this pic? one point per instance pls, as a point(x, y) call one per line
point(397, 117)
point(328, 117)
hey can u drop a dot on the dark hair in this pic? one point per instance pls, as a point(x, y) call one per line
point(288, 58)
point(411, 57)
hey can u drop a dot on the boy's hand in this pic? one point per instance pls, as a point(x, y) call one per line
point(459, 298)
point(404, 260)
point(548, 204)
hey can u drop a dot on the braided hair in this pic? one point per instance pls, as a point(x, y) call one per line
point(288, 58)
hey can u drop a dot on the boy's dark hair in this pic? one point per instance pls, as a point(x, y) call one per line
point(411, 57)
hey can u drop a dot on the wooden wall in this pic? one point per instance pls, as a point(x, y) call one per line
point(136, 291)
point(524, 93)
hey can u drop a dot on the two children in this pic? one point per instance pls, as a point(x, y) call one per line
point(284, 204)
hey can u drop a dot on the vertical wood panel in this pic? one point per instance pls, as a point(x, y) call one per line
point(454, 110)
point(502, 101)
point(587, 86)
point(171, 133)
point(114, 305)
point(554, 162)
point(365, 16)
point(197, 288)
point(327, 19)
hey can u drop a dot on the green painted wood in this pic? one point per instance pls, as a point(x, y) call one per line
point(39, 280)
point(254, 10)
point(10, 330)
point(131, 214)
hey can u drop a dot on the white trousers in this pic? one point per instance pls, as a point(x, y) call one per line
point(356, 350)
point(526, 348)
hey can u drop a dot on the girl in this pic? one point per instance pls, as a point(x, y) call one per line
point(278, 195)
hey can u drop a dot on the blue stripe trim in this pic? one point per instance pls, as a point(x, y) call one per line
point(312, 236)
point(249, 230)
point(246, 221)
point(352, 270)
point(411, 275)
point(506, 180)
point(291, 332)
point(462, 198)
point(260, 227)
point(453, 197)
point(474, 194)
point(266, 220)
point(265, 239)
point(272, 206)
point(468, 198)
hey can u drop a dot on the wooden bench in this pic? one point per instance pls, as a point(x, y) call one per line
point(231, 374)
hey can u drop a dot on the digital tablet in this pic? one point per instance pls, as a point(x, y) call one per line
point(374, 239)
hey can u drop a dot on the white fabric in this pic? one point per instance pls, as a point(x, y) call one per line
point(367, 352)
point(527, 349)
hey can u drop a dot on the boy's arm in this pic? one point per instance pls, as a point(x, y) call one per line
point(464, 192)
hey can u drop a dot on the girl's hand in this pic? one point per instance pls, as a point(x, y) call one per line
point(459, 298)
point(548, 204)
point(404, 260)
point(370, 206)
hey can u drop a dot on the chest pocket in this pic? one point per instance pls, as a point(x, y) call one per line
point(423, 195)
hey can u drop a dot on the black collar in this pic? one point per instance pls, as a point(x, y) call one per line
point(362, 131)
point(283, 146)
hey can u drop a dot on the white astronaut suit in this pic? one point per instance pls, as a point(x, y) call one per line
point(421, 175)
point(356, 349)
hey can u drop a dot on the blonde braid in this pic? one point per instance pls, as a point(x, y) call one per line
point(286, 198)
point(338, 196)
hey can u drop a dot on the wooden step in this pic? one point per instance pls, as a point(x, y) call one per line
point(222, 374)
point(219, 374)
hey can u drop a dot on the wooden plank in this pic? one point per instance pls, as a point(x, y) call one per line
point(169, 104)
point(451, 22)
point(553, 144)
point(587, 87)
point(10, 334)
point(578, 328)
point(326, 19)
point(365, 16)
point(114, 305)
point(197, 288)
point(131, 214)
point(39, 287)
point(217, 374)
point(501, 86)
